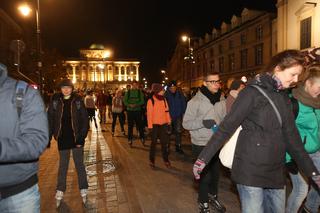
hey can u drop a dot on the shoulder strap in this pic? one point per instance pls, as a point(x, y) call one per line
point(21, 88)
point(295, 106)
point(270, 101)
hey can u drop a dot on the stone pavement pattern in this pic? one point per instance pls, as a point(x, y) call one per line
point(133, 187)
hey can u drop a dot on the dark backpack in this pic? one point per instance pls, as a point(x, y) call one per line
point(20, 91)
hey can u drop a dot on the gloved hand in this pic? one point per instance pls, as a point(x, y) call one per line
point(198, 166)
point(208, 123)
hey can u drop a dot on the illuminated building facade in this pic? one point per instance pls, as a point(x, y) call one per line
point(95, 70)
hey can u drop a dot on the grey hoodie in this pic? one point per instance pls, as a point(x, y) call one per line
point(22, 140)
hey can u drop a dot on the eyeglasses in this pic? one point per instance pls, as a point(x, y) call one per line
point(214, 81)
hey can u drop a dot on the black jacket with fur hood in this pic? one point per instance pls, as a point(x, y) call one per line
point(79, 119)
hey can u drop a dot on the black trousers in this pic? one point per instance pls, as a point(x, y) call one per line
point(159, 131)
point(209, 178)
point(135, 117)
point(121, 120)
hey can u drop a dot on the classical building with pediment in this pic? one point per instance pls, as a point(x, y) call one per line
point(95, 69)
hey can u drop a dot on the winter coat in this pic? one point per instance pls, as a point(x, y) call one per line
point(259, 159)
point(308, 124)
point(199, 108)
point(134, 99)
point(177, 104)
point(22, 139)
point(79, 118)
point(157, 112)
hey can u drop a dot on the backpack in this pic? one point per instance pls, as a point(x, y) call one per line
point(20, 91)
point(129, 92)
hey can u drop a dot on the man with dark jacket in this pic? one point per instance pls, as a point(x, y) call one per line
point(69, 124)
point(177, 107)
point(23, 137)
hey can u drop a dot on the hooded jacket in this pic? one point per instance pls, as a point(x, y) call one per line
point(259, 158)
point(79, 120)
point(22, 139)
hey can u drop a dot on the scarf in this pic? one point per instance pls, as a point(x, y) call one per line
point(159, 97)
point(301, 95)
point(214, 98)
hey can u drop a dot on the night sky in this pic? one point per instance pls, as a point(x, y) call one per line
point(146, 30)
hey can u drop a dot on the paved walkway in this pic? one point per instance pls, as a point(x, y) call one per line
point(132, 186)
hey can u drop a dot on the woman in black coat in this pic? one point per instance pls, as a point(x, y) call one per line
point(259, 161)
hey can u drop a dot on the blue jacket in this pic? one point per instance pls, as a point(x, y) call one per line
point(177, 104)
point(22, 139)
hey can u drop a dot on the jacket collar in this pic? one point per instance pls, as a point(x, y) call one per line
point(266, 81)
point(3, 74)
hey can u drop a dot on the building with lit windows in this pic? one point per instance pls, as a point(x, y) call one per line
point(240, 47)
point(96, 70)
point(298, 24)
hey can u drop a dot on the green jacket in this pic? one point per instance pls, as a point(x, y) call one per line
point(133, 99)
point(308, 124)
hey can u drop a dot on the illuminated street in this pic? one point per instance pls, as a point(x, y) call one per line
point(133, 187)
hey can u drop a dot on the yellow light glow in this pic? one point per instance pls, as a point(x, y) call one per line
point(184, 38)
point(24, 9)
point(106, 53)
point(101, 66)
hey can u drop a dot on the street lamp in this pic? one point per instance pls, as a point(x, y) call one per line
point(189, 57)
point(25, 10)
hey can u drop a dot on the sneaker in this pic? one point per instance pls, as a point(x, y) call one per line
point(143, 141)
point(168, 164)
point(179, 150)
point(204, 208)
point(112, 133)
point(123, 133)
point(83, 193)
point(216, 204)
point(130, 141)
point(59, 197)
point(152, 164)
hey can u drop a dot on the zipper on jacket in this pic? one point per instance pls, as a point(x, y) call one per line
point(71, 108)
point(60, 118)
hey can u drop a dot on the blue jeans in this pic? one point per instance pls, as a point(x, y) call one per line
point(27, 201)
point(261, 200)
point(300, 191)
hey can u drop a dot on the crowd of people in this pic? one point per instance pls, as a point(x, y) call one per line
point(279, 136)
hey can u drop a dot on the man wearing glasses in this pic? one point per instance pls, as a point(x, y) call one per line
point(198, 119)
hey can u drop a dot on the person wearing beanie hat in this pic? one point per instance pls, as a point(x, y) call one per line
point(156, 88)
point(158, 121)
point(172, 83)
point(177, 107)
point(66, 82)
point(68, 124)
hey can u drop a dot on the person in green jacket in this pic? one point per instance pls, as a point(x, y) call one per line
point(308, 123)
point(133, 100)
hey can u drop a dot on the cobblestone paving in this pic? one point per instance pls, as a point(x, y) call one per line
point(133, 187)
